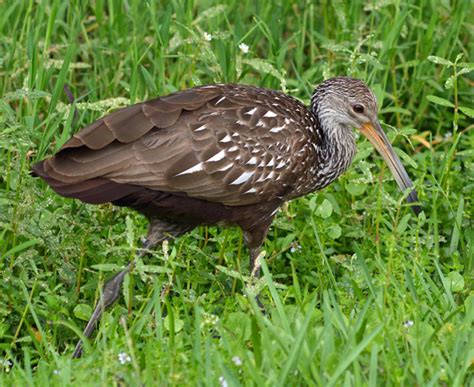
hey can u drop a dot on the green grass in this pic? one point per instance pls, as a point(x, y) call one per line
point(357, 290)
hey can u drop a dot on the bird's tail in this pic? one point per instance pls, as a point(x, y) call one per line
point(95, 191)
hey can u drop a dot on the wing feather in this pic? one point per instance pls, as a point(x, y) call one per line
point(217, 143)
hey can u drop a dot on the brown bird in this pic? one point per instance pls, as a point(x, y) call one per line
point(227, 154)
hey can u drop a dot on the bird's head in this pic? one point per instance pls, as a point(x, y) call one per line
point(348, 103)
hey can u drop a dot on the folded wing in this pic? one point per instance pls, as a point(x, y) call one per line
point(217, 143)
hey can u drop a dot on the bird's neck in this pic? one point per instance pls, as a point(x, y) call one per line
point(338, 144)
point(336, 153)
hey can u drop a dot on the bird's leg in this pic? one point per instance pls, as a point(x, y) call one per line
point(110, 293)
point(255, 271)
point(254, 238)
point(255, 262)
point(158, 231)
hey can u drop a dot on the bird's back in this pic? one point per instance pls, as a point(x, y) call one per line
point(232, 145)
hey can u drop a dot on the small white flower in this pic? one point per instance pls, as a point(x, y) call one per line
point(237, 361)
point(6, 363)
point(124, 358)
point(209, 319)
point(223, 382)
point(207, 36)
point(56, 372)
point(408, 323)
point(294, 248)
point(244, 48)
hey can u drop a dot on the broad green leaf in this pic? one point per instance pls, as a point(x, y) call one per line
point(439, 101)
point(455, 281)
point(467, 111)
point(325, 209)
point(403, 224)
point(439, 60)
point(355, 189)
point(334, 231)
point(83, 311)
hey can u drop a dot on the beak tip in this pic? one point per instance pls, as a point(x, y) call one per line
point(413, 198)
point(416, 209)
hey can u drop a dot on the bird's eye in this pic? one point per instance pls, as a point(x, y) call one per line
point(358, 108)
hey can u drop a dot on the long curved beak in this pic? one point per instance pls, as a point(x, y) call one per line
point(378, 138)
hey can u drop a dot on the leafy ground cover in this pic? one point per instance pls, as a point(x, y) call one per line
point(358, 291)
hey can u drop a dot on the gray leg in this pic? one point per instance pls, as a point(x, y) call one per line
point(255, 262)
point(254, 239)
point(255, 272)
point(158, 231)
point(110, 293)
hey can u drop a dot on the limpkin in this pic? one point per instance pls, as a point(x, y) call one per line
point(218, 154)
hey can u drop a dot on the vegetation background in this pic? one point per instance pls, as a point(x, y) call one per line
point(358, 291)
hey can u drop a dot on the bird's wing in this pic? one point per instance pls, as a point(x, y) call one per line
point(226, 144)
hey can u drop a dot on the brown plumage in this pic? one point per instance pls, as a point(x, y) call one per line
point(228, 154)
